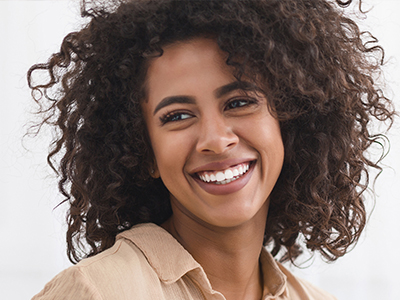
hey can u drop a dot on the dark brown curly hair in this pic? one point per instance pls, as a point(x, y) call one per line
point(312, 62)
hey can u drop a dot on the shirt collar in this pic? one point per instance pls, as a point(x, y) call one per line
point(273, 277)
point(157, 244)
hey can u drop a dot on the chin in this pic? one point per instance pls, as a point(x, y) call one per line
point(235, 220)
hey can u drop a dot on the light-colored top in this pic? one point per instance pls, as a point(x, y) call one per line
point(147, 263)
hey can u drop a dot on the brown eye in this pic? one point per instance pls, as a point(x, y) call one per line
point(241, 102)
point(174, 117)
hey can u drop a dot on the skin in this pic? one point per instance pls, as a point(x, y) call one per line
point(199, 120)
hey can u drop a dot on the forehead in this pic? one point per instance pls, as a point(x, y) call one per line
point(185, 66)
point(195, 52)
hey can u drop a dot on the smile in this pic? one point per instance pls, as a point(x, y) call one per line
point(224, 176)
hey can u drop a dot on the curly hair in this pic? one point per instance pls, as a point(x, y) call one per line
point(317, 69)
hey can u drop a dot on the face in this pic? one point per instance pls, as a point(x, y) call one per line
point(217, 148)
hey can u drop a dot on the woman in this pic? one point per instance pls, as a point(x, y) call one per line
point(194, 133)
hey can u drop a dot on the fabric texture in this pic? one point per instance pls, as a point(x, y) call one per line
point(148, 263)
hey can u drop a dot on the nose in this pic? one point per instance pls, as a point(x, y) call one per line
point(216, 136)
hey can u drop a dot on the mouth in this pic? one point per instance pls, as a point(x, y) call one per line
point(225, 176)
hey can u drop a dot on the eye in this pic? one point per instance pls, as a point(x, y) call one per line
point(174, 117)
point(239, 102)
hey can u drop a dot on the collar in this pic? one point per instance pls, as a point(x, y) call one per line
point(164, 253)
point(273, 277)
point(171, 261)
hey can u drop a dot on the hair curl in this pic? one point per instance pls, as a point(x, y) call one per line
point(317, 70)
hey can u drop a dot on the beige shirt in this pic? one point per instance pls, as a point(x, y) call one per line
point(147, 263)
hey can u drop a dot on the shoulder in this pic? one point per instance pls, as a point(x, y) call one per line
point(145, 262)
point(122, 258)
point(69, 284)
point(315, 291)
point(302, 289)
point(121, 268)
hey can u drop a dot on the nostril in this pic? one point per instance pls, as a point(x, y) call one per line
point(231, 144)
point(219, 145)
point(216, 137)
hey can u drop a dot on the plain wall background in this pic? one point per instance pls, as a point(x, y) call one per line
point(32, 244)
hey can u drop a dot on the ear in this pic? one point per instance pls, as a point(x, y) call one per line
point(154, 170)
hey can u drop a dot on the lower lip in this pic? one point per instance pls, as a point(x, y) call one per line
point(228, 188)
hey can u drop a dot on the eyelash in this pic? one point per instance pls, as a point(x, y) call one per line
point(171, 116)
point(248, 101)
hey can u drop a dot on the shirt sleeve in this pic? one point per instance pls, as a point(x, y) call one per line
point(68, 285)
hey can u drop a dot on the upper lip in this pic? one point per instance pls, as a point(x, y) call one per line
point(221, 165)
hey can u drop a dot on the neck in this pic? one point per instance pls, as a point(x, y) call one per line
point(229, 256)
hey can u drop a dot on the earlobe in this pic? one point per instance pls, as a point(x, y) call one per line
point(154, 171)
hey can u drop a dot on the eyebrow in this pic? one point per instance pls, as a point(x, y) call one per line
point(221, 91)
point(236, 85)
point(174, 99)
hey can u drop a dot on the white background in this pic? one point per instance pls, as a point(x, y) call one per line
point(32, 248)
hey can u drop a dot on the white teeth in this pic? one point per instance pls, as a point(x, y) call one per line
point(228, 174)
point(225, 181)
point(220, 176)
point(207, 178)
point(224, 177)
point(240, 170)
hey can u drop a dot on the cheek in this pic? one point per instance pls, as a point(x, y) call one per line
point(170, 151)
point(273, 145)
point(265, 137)
point(262, 132)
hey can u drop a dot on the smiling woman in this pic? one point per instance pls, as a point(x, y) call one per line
point(220, 129)
point(195, 133)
